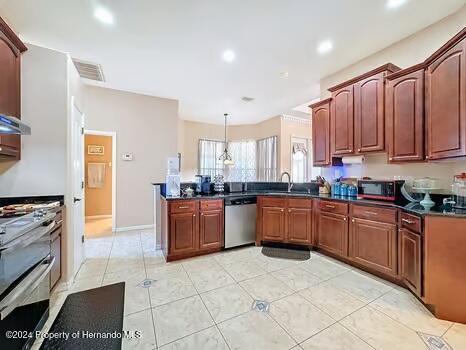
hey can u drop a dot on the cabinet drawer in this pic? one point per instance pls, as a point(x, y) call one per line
point(373, 213)
point(273, 202)
point(59, 217)
point(334, 207)
point(183, 206)
point(214, 204)
point(300, 203)
point(411, 222)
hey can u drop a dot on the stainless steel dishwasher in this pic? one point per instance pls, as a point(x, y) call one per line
point(240, 221)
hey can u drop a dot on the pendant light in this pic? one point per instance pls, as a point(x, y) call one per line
point(226, 156)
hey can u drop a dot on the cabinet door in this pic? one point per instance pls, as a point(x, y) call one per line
point(373, 244)
point(341, 122)
point(9, 92)
point(184, 233)
point(211, 230)
point(410, 260)
point(404, 114)
point(369, 114)
point(321, 135)
point(273, 224)
point(299, 225)
point(446, 104)
point(55, 251)
point(332, 233)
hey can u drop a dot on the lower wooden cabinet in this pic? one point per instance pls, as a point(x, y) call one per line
point(273, 224)
point(211, 229)
point(191, 227)
point(285, 220)
point(373, 244)
point(184, 233)
point(410, 248)
point(332, 233)
point(299, 225)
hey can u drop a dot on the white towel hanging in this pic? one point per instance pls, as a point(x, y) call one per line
point(95, 175)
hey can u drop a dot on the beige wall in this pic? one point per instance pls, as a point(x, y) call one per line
point(42, 169)
point(407, 52)
point(145, 126)
point(284, 128)
point(191, 132)
point(98, 200)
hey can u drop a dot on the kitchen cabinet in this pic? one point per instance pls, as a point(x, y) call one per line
point(410, 250)
point(184, 233)
point(191, 227)
point(284, 220)
point(211, 229)
point(373, 244)
point(342, 121)
point(404, 111)
point(273, 224)
point(446, 100)
point(369, 114)
point(332, 233)
point(320, 122)
point(11, 48)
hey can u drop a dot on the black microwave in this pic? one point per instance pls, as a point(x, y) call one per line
point(385, 190)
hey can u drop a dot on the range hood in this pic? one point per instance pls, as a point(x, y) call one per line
point(12, 125)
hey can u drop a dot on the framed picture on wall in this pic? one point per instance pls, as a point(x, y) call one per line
point(96, 150)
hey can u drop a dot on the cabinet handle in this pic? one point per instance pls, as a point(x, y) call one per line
point(408, 221)
point(345, 218)
point(289, 210)
point(194, 215)
point(202, 214)
point(391, 158)
point(371, 213)
point(282, 210)
point(359, 150)
point(330, 206)
point(183, 207)
point(352, 220)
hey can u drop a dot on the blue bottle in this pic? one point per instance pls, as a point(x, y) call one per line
point(344, 190)
point(336, 188)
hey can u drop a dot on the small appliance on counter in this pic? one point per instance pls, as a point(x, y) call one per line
point(203, 183)
point(385, 190)
point(173, 179)
point(219, 184)
point(459, 191)
point(232, 187)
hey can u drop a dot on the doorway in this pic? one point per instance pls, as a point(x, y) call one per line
point(99, 184)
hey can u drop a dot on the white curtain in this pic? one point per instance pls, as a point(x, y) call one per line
point(244, 156)
point(209, 153)
point(267, 159)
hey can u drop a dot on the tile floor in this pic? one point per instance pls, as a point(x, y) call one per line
point(206, 302)
point(94, 228)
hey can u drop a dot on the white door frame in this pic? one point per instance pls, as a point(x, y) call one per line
point(113, 135)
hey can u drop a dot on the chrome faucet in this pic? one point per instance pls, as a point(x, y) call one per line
point(290, 184)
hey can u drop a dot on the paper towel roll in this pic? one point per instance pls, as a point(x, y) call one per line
point(353, 160)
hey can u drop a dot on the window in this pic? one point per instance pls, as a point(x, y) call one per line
point(254, 160)
point(300, 159)
point(209, 152)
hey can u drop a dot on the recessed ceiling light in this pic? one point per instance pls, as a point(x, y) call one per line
point(228, 55)
point(393, 4)
point(325, 47)
point(103, 15)
point(284, 75)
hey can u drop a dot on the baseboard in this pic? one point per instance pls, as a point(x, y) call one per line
point(132, 228)
point(93, 217)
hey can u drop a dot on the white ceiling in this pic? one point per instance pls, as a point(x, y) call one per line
point(173, 48)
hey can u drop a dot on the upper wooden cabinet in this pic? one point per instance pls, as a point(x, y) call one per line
point(11, 48)
point(358, 113)
point(404, 113)
point(342, 122)
point(321, 133)
point(446, 100)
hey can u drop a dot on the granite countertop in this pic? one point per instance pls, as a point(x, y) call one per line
point(414, 208)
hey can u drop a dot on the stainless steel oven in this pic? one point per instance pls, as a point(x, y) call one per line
point(25, 264)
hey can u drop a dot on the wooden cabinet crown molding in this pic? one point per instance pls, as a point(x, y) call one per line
point(320, 103)
point(388, 67)
point(10, 35)
point(405, 71)
point(448, 45)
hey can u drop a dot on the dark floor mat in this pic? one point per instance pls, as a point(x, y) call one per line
point(286, 253)
point(93, 319)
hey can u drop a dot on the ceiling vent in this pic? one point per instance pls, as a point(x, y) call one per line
point(89, 70)
point(247, 99)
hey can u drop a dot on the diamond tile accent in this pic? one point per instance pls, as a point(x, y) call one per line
point(434, 343)
point(261, 306)
point(147, 283)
